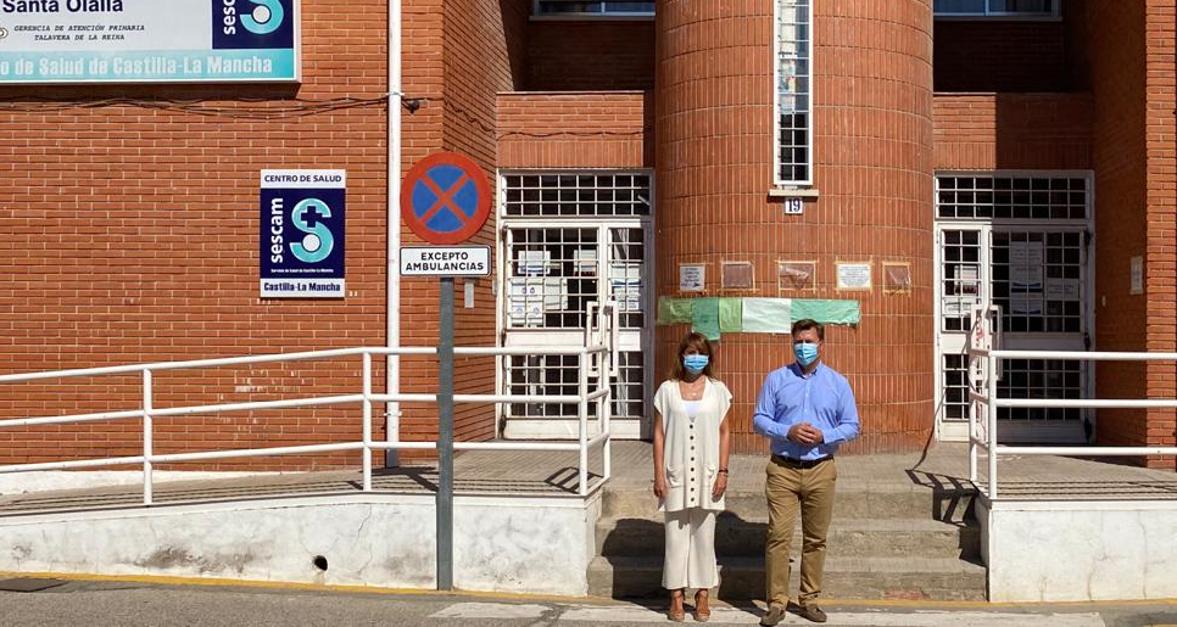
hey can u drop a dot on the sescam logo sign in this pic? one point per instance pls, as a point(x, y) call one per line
point(302, 233)
point(248, 24)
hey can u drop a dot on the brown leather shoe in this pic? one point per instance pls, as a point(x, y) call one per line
point(811, 612)
point(774, 615)
point(702, 606)
point(676, 612)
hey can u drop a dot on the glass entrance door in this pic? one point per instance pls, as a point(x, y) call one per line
point(1035, 268)
point(557, 257)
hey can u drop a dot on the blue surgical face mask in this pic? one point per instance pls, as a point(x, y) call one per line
point(695, 363)
point(806, 353)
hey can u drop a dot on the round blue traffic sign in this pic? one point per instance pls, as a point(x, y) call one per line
point(445, 198)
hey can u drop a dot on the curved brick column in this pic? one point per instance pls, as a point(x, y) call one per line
point(873, 171)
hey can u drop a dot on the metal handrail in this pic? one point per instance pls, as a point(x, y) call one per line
point(148, 413)
point(989, 401)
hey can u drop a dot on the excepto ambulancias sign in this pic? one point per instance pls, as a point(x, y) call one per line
point(467, 261)
point(132, 41)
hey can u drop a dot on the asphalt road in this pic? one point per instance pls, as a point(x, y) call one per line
point(132, 604)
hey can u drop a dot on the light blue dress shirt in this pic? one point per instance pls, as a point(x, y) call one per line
point(823, 399)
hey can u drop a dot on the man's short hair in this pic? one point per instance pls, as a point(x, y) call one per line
point(807, 324)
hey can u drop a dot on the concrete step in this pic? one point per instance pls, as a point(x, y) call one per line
point(852, 537)
point(886, 502)
point(845, 578)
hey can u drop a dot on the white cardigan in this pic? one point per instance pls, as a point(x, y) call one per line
point(691, 450)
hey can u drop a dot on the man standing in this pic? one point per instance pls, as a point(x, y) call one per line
point(806, 409)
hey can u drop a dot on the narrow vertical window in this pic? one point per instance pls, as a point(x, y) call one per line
point(794, 102)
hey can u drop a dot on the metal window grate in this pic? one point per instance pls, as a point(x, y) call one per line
point(558, 375)
point(553, 277)
point(583, 195)
point(961, 259)
point(1041, 378)
point(547, 375)
point(1036, 197)
point(626, 288)
point(1037, 281)
point(956, 388)
point(794, 79)
point(629, 386)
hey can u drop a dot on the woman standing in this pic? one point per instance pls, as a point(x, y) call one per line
point(691, 448)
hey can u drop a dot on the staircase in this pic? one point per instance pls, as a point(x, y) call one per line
point(888, 541)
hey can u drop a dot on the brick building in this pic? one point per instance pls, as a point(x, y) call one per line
point(883, 164)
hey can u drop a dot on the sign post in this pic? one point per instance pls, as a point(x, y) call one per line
point(445, 200)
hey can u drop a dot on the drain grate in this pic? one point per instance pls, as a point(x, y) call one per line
point(28, 584)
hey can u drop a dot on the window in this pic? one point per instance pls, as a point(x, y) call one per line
point(582, 8)
point(1037, 278)
point(577, 195)
point(1012, 196)
point(794, 132)
point(559, 375)
point(997, 8)
point(960, 253)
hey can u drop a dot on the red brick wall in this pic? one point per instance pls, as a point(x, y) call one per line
point(1116, 50)
point(1160, 127)
point(994, 55)
point(575, 130)
point(131, 236)
point(1013, 131)
point(714, 135)
point(478, 60)
point(134, 230)
point(590, 56)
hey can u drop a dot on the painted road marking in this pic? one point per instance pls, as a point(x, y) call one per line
point(733, 616)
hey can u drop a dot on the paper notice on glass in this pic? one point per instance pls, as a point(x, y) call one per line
point(955, 308)
point(626, 292)
point(1026, 304)
point(705, 317)
point(1025, 265)
point(768, 315)
point(533, 262)
point(555, 294)
point(854, 276)
point(525, 301)
point(1062, 289)
point(692, 277)
point(585, 260)
point(968, 280)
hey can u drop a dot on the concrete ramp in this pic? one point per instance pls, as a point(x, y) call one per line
point(519, 526)
point(515, 543)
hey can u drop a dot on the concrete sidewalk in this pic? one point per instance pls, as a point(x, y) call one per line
point(135, 603)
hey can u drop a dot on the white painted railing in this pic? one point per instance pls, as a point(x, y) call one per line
point(984, 373)
point(592, 358)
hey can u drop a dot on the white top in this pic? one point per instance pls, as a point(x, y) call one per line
point(691, 451)
point(693, 407)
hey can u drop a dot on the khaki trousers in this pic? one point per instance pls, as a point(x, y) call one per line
point(810, 492)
